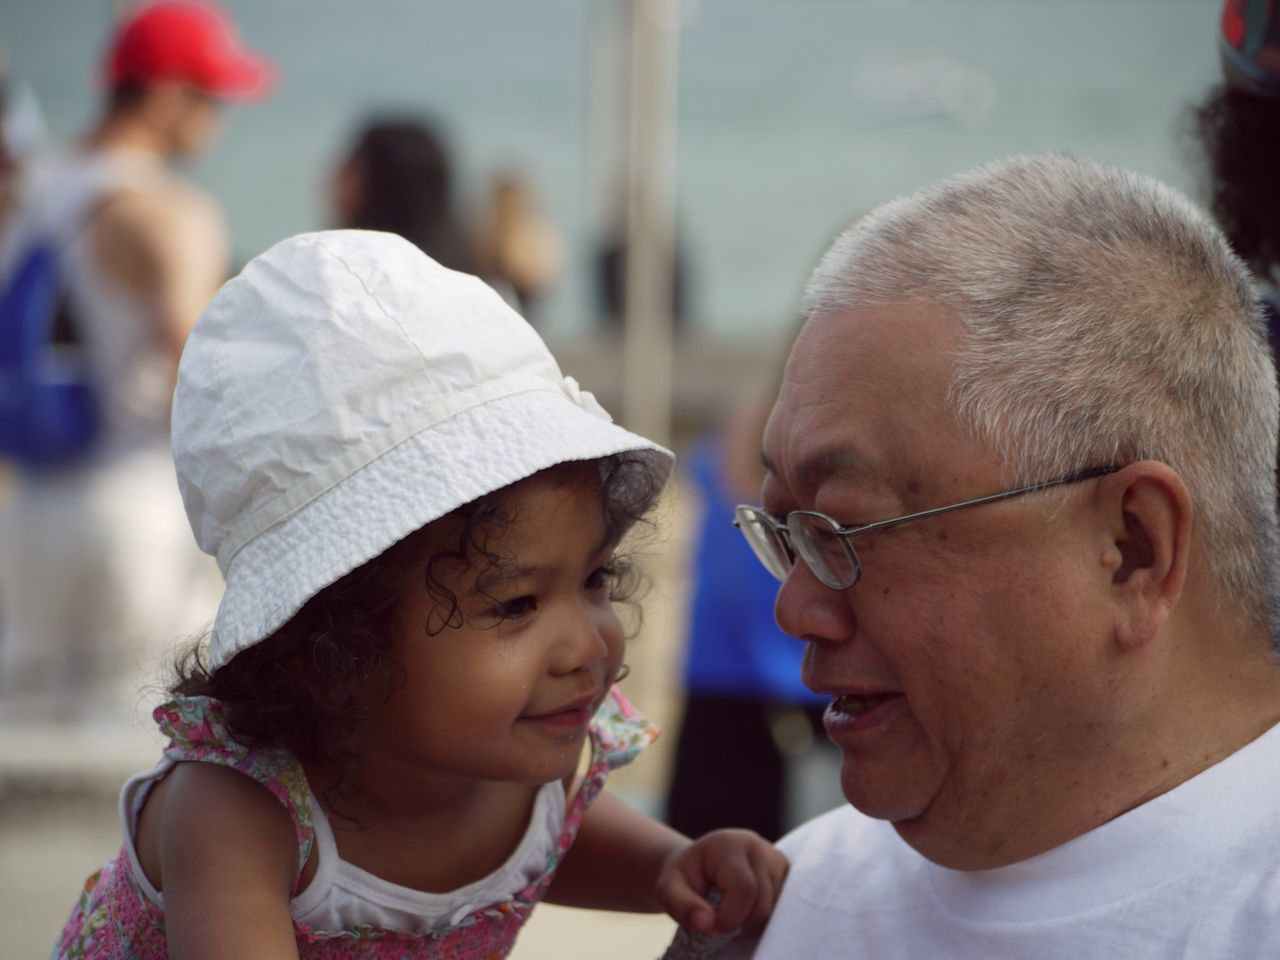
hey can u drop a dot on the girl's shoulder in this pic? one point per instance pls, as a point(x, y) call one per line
point(197, 729)
point(204, 813)
point(220, 774)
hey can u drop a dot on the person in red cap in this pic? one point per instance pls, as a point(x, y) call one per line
point(96, 569)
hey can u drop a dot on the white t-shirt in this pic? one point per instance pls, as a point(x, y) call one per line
point(1193, 873)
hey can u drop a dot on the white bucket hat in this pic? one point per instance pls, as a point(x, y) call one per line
point(344, 391)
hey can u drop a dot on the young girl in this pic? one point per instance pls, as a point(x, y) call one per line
point(376, 755)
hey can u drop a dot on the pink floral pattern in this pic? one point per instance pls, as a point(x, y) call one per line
point(115, 920)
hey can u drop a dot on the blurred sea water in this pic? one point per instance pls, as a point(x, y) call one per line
point(793, 115)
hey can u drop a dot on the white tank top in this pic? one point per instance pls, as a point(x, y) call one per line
point(342, 895)
point(130, 364)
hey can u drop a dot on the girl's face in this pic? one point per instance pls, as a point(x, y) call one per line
point(507, 693)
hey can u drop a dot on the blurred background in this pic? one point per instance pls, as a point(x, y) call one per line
point(651, 182)
point(790, 117)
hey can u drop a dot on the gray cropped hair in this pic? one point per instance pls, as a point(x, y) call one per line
point(1104, 319)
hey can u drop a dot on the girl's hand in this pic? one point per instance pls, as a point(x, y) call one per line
point(741, 864)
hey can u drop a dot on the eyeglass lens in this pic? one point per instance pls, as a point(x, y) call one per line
point(766, 542)
point(828, 555)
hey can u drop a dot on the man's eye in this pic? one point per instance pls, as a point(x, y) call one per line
point(519, 607)
point(777, 516)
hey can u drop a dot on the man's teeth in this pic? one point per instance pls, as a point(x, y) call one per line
point(854, 703)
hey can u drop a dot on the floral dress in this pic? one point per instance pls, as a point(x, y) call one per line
point(116, 920)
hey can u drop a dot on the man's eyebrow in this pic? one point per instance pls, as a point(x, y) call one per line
point(818, 466)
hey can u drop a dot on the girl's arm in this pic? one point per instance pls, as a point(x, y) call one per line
point(228, 858)
point(623, 860)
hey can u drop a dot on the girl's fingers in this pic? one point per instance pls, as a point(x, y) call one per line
point(702, 920)
point(766, 893)
point(745, 870)
point(689, 909)
point(740, 885)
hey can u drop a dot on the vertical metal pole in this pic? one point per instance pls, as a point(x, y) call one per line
point(651, 98)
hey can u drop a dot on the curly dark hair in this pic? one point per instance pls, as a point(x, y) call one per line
point(310, 686)
point(1239, 136)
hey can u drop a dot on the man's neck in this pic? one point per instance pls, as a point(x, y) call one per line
point(1226, 694)
point(124, 131)
point(1219, 690)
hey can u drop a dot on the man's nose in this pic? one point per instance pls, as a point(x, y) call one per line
point(809, 610)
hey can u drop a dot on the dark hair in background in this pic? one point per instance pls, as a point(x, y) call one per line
point(1239, 134)
point(407, 188)
point(126, 95)
point(310, 685)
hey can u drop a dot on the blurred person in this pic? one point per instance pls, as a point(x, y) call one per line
point(1237, 125)
point(22, 133)
point(398, 177)
point(1020, 495)
point(97, 571)
point(611, 273)
point(611, 282)
point(518, 246)
point(1237, 132)
point(747, 718)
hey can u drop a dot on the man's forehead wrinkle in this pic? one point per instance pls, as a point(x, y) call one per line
point(802, 469)
point(837, 461)
point(809, 438)
point(788, 446)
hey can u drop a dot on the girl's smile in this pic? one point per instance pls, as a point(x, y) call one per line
point(574, 714)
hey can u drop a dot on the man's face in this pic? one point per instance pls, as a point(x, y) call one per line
point(962, 696)
point(188, 118)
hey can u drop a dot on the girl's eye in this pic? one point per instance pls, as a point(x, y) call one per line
point(600, 578)
point(519, 607)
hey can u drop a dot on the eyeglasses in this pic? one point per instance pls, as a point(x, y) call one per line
point(825, 545)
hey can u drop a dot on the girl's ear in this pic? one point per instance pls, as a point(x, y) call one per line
point(1147, 513)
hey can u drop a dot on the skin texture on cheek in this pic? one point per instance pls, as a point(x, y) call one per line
point(1016, 711)
point(948, 626)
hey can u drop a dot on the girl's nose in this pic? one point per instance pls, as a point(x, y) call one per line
point(589, 634)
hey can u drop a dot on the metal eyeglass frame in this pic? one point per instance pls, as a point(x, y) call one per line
point(750, 519)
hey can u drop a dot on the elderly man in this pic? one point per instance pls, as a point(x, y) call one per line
point(1021, 495)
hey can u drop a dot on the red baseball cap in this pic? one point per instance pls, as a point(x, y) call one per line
point(185, 40)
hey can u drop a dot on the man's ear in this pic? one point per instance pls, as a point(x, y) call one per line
point(1147, 514)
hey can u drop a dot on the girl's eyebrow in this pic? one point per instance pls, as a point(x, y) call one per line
point(502, 573)
point(517, 571)
point(608, 543)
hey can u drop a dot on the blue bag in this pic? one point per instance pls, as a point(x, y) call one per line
point(49, 411)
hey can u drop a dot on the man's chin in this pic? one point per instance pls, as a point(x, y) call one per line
point(893, 802)
point(949, 842)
